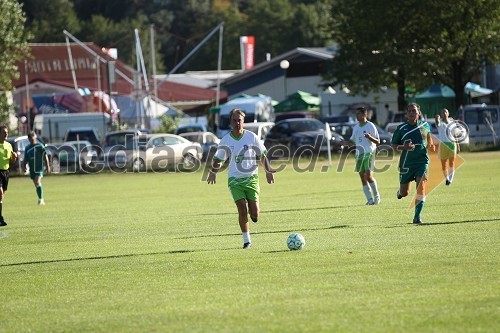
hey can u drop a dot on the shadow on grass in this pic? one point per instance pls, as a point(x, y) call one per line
point(269, 232)
point(278, 251)
point(274, 211)
point(443, 223)
point(97, 258)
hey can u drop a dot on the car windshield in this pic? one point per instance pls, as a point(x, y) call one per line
point(194, 137)
point(306, 125)
point(253, 129)
point(344, 130)
point(118, 139)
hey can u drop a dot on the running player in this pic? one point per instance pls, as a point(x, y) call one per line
point(413, 138)
point(35, 156)
point(447, 146)
point(242, 148)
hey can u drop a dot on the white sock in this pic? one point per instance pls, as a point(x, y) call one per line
point(368, 193)
point(452, 173)
point(445, 174)
point(374, 188)
point(246, 237)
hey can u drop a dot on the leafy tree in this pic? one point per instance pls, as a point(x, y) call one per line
point(464, 39)
point(13, 48)
point(114, 10)
point(180, 25)
point(168, 124)
point(48, 18)
point(414, 42)
point(107, 33)
point(282, 25)
point(207, 55)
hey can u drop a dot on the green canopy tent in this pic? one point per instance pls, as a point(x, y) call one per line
point(298, 101)
point(435, 98)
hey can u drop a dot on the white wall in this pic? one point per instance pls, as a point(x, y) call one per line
point(336, 103)
point(276, 88)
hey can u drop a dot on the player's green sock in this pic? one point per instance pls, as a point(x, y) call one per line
point(418, 209)
point(39, 191)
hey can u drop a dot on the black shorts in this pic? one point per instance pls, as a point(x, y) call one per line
point(4, 179)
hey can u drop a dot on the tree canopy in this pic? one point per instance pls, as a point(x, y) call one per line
point(13, 48)
point(414, 42)
point(13, 41)
point(380, 42)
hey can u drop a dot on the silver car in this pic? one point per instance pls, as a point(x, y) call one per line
point(207, 140)
point(155, 152)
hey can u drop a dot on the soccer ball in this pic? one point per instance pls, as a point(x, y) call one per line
point(295, 241)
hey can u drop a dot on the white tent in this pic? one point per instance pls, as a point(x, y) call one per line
point(475, 90)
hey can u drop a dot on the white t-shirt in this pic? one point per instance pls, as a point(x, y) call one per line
point(442, 130)
point(363, 145)
point(242, 153)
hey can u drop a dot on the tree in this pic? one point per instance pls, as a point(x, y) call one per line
point(48, 18)
point(464, 40)
point(415, 42)
point(13, 48)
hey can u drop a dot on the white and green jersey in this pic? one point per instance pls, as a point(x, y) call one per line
point(442, 129)
point(242, 153)
point(363, 145)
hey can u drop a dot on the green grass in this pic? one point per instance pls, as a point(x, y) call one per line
point(162, 253)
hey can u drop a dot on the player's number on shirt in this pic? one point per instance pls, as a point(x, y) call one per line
point(239, 158)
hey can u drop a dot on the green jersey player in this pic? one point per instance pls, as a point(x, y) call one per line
point(242, 148)
point(413, 138)
point(36, 156)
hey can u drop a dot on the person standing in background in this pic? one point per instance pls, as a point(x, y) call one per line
point(7, 156)
point(447, 146)
point(366, 138)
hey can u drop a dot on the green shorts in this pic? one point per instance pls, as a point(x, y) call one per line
point(33, 175)
point(244, 188)
point(410, 174)
point(364, 162)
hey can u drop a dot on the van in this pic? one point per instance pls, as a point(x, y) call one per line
point(83, 134)
point(52, 127)
point(483, 122)
point(256, 109)
point(122, 138)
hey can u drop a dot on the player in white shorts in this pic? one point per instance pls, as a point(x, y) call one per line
point(242, 148)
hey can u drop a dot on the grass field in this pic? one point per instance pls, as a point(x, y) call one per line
point(162, 253)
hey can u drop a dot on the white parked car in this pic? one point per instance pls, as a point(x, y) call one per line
point(207, 140)
point(259, 128)
point(155, 152)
